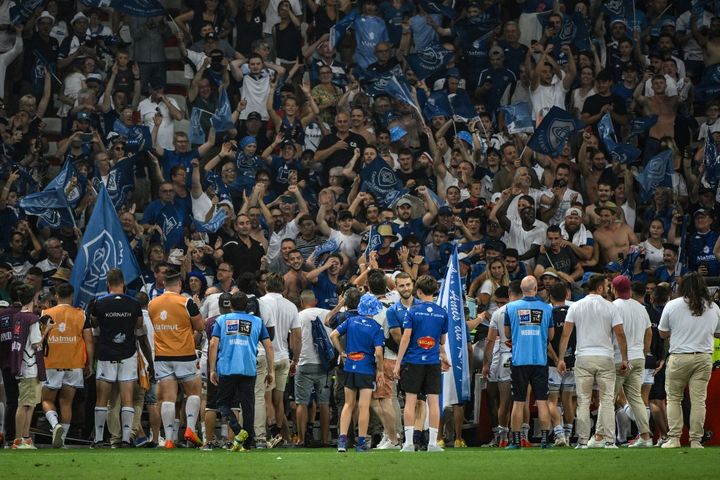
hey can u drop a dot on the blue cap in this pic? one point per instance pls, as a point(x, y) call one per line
point(369, 305)
point(586, 277)
point(465, 136)
point(445, 211)
point(83, 116)
point(453, 72)
point(613, 267)
point(396, 133)
point(249, 140)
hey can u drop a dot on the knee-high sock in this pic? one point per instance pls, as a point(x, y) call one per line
point(52, 418)
point(126, 417)
point(66, 428)
point(100, 419)
point(167, 412)
point(192, 410)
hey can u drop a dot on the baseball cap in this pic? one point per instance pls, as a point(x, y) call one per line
point(551, 273)
point(94, 77)
point(453, 72)
point(157, 84)
point(78, 16)
point(496, 50)
point(586, 277)
point(618, 20)
point(216, 56)
point(254, 116)
point(62, 274)
point(465, 136)
point(385, 230)
point(445, 211)
point(702, 211)
point(287, 142)
point(225, 301)
point(82, 117)
point(573, 211)
point(621, 284)
point(46, 14)
point(396, 133)
point(403, 201)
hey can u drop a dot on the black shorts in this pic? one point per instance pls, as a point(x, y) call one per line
point(657, 391)
point(523, 375)
point(359, 381)
point(211, 402)
point(421, 378)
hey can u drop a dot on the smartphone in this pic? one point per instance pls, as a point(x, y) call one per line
point(472, 307)
point(87, 137)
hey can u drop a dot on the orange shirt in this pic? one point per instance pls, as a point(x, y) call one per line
point(66, 346)
point(173, 335)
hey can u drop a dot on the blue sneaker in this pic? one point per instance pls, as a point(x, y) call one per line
point(362, 448)
point(513, 446)
point(141, 442)
point(342, 444)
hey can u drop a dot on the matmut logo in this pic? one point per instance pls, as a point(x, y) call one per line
point(426, 343)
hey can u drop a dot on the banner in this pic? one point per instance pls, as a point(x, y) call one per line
point(104, 246)
point(657, 173)
point(392, 86)
point(212, 225)
point(51, 206)
point(622, 152)
point(196, 135)
point(120, 181)
point(456, 381)
point(374, 243)
point(328, 246)
point(429, 61)
point(552, 133)
point(437, 104)
point(22, 10)
point(134, 8)
point(139, 137)
point(462, 106)
point(518, 118)
point(380, 180)
point(641, 125)
point(67, 172)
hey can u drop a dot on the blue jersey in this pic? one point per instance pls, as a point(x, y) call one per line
point(325, 292)
point(428, 322)
point(396, 313)
point(529, 320)
point(700, 251)
point(362, 335)
point(239, 334)
point(172, 158)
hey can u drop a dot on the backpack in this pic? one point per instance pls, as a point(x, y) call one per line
point(323, 345)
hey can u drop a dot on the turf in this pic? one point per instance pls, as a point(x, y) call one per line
point(473, 463)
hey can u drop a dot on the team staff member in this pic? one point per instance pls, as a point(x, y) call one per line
point(690, 322)
point(596, 321)
point(175, 318)
point(231, 363)
point(118, 322)
point(363, 358)
point(529, 324)
point(68, 350)
point(425, 330)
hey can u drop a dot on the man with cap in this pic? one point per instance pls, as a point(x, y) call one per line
point(348, 240)
point(613, 237)
point(281, 165)
point(494, 80)
point(417, 226)
point(638, 334)
point(576, 236)
point(362, 356)
point(387, 256)
point(56, 258)
point(73, 47)
point(44, 44)
point(232, 366)
point(701, 245)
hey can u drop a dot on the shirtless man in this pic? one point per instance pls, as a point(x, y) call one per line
point(613, 237)
point(661, 105)
point(604, 194)
point(709, 40)
point(295, 279)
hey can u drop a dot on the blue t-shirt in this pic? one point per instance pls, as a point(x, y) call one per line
point(171, 217)
point(171, 158)
point(700, 251)
point(529, 320)
point(396, 313)
point(325, 292)
point(369, 31)
point(428, 322)
point(239, 334)
point(362, 335)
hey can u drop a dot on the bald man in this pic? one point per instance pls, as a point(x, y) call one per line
point(529, 325)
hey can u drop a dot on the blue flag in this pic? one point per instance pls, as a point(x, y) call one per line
point(462, 106)
point(134, 8)
point(711, 161)
point(429, 61)
point(709, 86)
point(51, 206)
point(437, 104)
point(104, 246)
point(552, 133)
point(518, 118)
point(337, 31)
point(657, 173)
point(640, 125)
point(139, 138)
point(212, 225)
point(23, 10)
point(329, 246)
point(374, 243)
point(222, 119)
point(622, 152)
point(456, 381)
point(120, 182)
point(431, 6)
point(61, 181)
point(392, 86)
point(380, 180)
point(583, 29)
point(196, 135)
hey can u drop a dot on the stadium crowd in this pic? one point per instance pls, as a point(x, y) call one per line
point(293, 181)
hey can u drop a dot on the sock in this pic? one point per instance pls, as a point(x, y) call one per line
point(409, 435)
point(516, 438)
point(544, 437)
point(274, 430)
point(176, 428)
point(100, 418)
point(167, 413)
point(558, 431)
point(192, 411)
point(126, 418)
point(503, 432)
point(66, 429)
point(52, 418)
point(647, 413)
point(568, 427)
point(2, 417)
point(343, 438)
point(524, 430)
point(433, 436)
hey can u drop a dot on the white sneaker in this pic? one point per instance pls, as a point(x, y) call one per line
point(382, 445)
point(581, 446)
point(407, 448)
point(435, 448)
point(696, 444)
point(671, 443)
point(57, 436)
point(593, 443)
point(640, 443)
point(393, 446)
point(660, 441)
point(560, 441)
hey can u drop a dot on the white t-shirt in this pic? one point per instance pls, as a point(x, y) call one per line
point(497, 321)
point(688, 333)
point(267, 314)
point(536, 194)
point(148, 109)
point(308, 354)
point(521, 240)
point(654, 256)
point(290, 230)
point(72, 84)
point(692, 50)
point(636, 321)
point(29, 361)
point(349, 244)
point(594, 318)
point(286, 318)
point(544, 97)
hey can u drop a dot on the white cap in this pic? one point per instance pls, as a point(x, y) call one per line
point(46, 14)
point(78, 16)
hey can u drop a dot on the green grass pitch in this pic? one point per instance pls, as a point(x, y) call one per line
point(475, 463)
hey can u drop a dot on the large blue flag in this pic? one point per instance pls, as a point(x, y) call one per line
point(518, 118)
point(134, 8)
point(51, 206)
point(104, 246)
point(462, 106)
point(63, 179)
point(222, 119)
point(393, 86)
point(552, 133)
point(380, 180)
point(711, 161)
point(657, 173)
point(437, 104)
point(456, 381)
point(328, 246)
point(212, 225)
point(429, 61)
point(23, 10)
point(337, 31)
point(436, 6)
point(622, 152)
point(120, 181)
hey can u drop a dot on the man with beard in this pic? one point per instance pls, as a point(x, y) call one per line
point(558, 256)
point(325, 279)
point(525, 235)
point(522, 181)
point(563, 196)
point(308, 239)
point(243, 252)
point(604, 195)
point(295, 278)
point(280, 263)
point(282, 220)
point(666, 271)
point(407, 224)
point(613, 237)
point(576, 235)
point(701, 244)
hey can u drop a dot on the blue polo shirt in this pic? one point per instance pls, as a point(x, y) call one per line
point(239, 334)
point(362, 334)
point(529, 320)
point(428, 322)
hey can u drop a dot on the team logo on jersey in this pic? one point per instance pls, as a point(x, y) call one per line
point(429, 309)
point(232, 327)
point(706, 249)
point(61, 327)
point(163, 315)
point(426, 343)
point(119, 338)
point(356, 356)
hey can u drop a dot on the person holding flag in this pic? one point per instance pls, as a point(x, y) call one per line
point(421, 358)
point(548, 82)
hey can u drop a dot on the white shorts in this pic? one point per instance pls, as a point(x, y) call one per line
point(56, 379)
point(648, 377)
point(179, 370)
point(500, 368)
point(124, 370)
point(557, 382)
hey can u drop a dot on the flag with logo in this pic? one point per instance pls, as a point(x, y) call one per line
point(552, 133)
point(374, 242)
point(61, 181)
point(394, 87)
point(456, 381)
point(337, 31)
point(134, 8)
point(380, 180)
point(212, 225)
point(429, 61)
point(22, 10)
point(120, 181)
point(222, 118)
point(711, 161)
point(657, 173)
point(462, 106)
point(518, 118)
point(196, 135)
point(437, 104)
point(51, 206)
point(641, 125)
point(431, 6)
point(328, 246)
point(622, 152)
point(104, 246)
point(139, 138)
